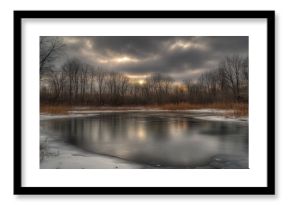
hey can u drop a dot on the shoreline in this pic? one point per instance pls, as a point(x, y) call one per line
point(213, 114)
point(58, 154)
point(228, 109)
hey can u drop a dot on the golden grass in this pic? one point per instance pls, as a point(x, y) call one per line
point(238, 109)
point(55, 109)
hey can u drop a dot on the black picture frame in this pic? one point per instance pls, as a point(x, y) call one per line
point(268, 190)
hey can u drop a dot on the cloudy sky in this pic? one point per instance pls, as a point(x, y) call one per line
point(137, 56)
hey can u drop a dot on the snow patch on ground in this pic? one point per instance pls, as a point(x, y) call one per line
point(220, 111)
point(112, 111)
point(222, 118)
point(206, 111)
point(57, 154)
point(51, 117)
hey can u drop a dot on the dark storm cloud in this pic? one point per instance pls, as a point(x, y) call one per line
point(130, 45)
point(143, 46)
point(228, 44)
point(165, 54)
point(169, 61)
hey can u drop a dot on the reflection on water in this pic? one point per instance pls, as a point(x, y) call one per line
point(163, 139)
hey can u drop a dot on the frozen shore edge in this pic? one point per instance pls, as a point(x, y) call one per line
point(213, 114)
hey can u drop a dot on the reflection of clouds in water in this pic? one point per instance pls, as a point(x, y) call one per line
point(177, 127)
point(166, 139)
point(141, 133)
point(136, 131)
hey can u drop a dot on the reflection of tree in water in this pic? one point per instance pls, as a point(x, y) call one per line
point(167, 139)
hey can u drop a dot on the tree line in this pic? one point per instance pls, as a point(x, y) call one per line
point(78, 83)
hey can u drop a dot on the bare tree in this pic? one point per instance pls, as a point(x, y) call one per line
point(57, 81)
point(245, 70)
point(192, 88)
point(100, 76)
point(232, 71)
point(111, 85)
point(167, 82)
point(71, 69)
point(124, 83)
point(84, 80)
point(50, 48)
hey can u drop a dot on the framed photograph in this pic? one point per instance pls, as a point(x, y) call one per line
point(144, 102)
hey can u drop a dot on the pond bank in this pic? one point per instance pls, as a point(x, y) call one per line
point(57, 154)
point(227, 109)
point(212, 114)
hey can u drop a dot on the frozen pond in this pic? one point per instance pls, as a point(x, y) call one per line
point(157, 139)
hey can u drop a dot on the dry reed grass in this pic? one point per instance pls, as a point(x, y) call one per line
point(55, 109)
point(238, 109)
